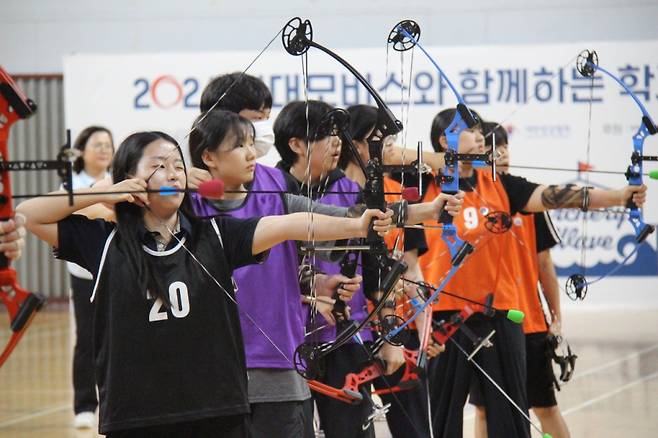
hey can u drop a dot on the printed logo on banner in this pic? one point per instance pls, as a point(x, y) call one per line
point(166, 92)
point(608, 237)
point(548, 131)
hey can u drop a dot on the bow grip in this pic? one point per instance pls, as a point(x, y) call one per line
point(373, 237)
point(444, 216)
point(339, 310)
point(348, 267)
point(373, 194)
point(630, 204)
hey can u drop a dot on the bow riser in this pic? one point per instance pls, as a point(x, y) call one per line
point(350, 391)
point(21, 304)
point(348, 266)
point(634, 178)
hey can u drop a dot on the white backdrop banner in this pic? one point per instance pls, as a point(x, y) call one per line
point(535, 91)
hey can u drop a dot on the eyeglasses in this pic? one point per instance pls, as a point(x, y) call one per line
point(101, 146)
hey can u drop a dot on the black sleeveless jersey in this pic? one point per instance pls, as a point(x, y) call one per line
point(159, 365)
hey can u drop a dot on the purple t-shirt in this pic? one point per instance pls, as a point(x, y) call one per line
point(268, 292)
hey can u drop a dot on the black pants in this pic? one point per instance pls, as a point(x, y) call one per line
point(339, 419)
point(282, 420)
point(232, 426)
point(450, 377)
point(84, 383)
point(407, 417)
point(540, 384)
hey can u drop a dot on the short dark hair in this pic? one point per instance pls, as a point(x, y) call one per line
point(489, 129)
point(291, 123)
point(441, 122)
point(212, 129)
point(363, 119)
point(81, 142)
point(246, 92)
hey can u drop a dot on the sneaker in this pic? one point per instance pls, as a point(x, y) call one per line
point(84, 420)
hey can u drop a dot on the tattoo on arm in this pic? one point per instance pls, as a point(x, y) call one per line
point(569, 196)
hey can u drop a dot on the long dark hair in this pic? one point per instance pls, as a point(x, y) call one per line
point(212, 128)
point(81, 142)
point(130, 216)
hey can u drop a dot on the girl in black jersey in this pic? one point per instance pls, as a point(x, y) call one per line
point(168, 351)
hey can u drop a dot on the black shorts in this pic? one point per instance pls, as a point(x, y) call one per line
point(282, 419)
point(540, 386)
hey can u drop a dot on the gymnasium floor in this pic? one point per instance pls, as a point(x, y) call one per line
point(613, 394)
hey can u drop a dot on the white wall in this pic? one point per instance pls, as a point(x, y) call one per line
point(34, 34)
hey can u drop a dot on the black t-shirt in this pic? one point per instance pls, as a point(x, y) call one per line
point(158, 364)
point(414, 238)
point(545, 233)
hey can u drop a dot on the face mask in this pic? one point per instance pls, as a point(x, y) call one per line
point(264, 138)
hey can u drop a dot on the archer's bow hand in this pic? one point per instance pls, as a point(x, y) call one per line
point(325, 285)
point(12, 237)
point(434, 349)
point(196, 176)
point(451, 204)
point(382, 223)
point(392, 356)
point(555, 328)
point(636, 194)
point(324, 307)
